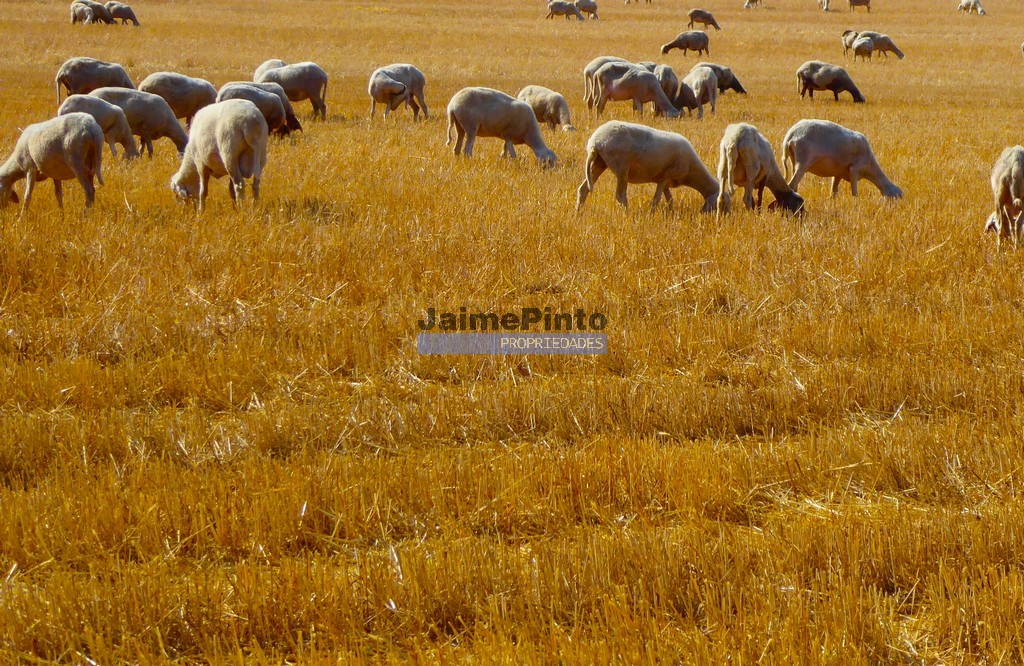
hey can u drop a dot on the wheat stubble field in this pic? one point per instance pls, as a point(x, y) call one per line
point(218, 443)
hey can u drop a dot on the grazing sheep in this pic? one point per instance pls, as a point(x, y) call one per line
point(882, 43)
point(81, 14)
point(149, 116)
point(382, 89)
point(99, 12)
point(849, 37)
point(618, 81)
point(273, 63)
point(824, 5)
point(726, 79)
point(685, 99)
point(268, 103)
point(746, 160)
point(641, 154)
point(110, 118)
point(474, 112)
point(969, 6)
point(563, 8)
point(863, 47)
point(816, 75)
point(669, 83)
point(289, 113)
point(304, 80)
point(83, 75)
point(692, 40)
point(588, 7)
point(228, 138)
point(833, 151)
point(1008, 191)
point(184, 94)
point(548, 106)
point(589, 74)
point(62, 148)
point(638, 2)
point(866, 4)
point(119, 10)
point(703, 17)
point(750, 4)
point(704, 84)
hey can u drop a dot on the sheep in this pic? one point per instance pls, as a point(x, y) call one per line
point(863, 47)
point(81, 14)
point(641, 154)
point(304, 80)
point(83, 75)
point(704, 84)
point(474, 112)
point(882, 43)
point(589, 73)
point(548, 106)
point(273, 63)
point(563, 8)
point(618, 81)
point(291, 121)
point(750, 4)
point(99, 12)
point(692, 40)
point(824, 5)
point(816, 75)
point(669, 83)
point(268, 103)
point(866, 4)
point(969, 6)
point(228, 138)
point(1008, 191)
point(703, 17)
point(119, 10)
point(849, 37)
point(149, 116)
point(184, 94)
point(409, 78)
point(832, 151)
point(110, 118)
point(746, 160)
point(588, 7)
point(726, 79)
point(62, 148)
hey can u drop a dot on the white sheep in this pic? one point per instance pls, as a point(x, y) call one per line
point(99, 12)
point(1008, 191)
point(816, 75)
point(849, 37)
point(588, 7)
point(617, 81)
point(111, 120)
point(273, 63)
point(474, 112)
point(292, 122)
point(227, 138)
point(149, 116)
point(563, 8)
point(702, 16)
point(863, 47)
point(692, 40)
point(119, 10)
point(866, 4)
point(184, 94)
point(393, 84)
point(704, 84)
point(882, 43)
point(726, 79)
point(268, 103)
point(303, 80)
point(750, 4)
point(832, 151)
point(81, 14)
point(971, 6)
point(548, 106)
point(589, 77)
point(83, 75)
point(62, 148)
point(746, 160)
point(641, 154)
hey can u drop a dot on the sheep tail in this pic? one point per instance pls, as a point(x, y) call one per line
point(588, 168)
point(787, 157)
point(451, 126)
point(56, 86)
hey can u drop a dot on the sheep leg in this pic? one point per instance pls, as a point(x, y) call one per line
point(148, 143)
point(373, 106)
point(595, 167)
point(411, 101)
point(835, 185)
point(620, 188)
point(111, 143)
point(748, 196)
point(853, 182)
point(423, 105)
point(58, 193)
point(668, 197)
point(30, 183)
point(760, 194)
point(470, 140)
point(798, 174)
point(659, 191)
point(460, 134)
point(87, 185)
point(204, 184)
point(509, 150)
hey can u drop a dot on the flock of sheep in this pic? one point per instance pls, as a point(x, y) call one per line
point(228, 129)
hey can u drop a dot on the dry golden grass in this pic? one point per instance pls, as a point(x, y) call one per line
point(218, 443)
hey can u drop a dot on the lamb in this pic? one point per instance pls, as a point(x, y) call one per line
point(588, 7)
point(184, 94)
point(110, 118)
point(618, 81)
point(119, 10)
point(291, 121)
point(268, 103)
point(641, 154)
point(833, 151)
point(863, 47)
point(474, 112)
point(273, 63)
point(816, 75)
point(703, 17)
point(882, 43)
point(692, 40)
point(149, 116)
point(866, 4)
point(81, 14)
point(62, 148)
point(228, 138)
point(1008, 191)
point(969, 6)
point(409, 78)
point(589, 74)
point(304, 80)
point(726, 79)
point(563, 8)
point(746, 160)
point(99, 12)
point(548, 106)
point(704, 84)
point(83, 75)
